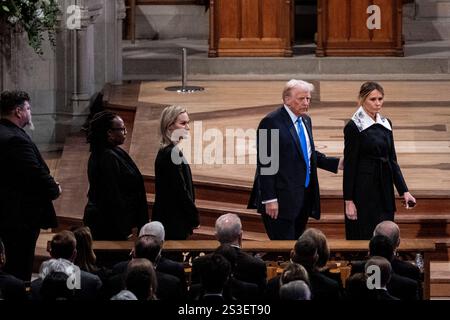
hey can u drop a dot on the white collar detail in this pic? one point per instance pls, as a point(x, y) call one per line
point(364, 121)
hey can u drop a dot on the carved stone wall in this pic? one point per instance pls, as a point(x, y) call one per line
point(64, 79)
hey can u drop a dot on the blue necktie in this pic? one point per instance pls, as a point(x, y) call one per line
point(301, 136)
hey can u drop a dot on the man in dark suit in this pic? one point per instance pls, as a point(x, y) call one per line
point(11, 288)
point(149, 247)
point(247, 267)
point(391, 230)
point(286, 189)
point(403, 268)
point(63, 250)
point(26, 187)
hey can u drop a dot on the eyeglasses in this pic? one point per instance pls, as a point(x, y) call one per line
point(120, 129)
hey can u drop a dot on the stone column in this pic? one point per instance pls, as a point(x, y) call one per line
point(120, 15)
point(83, 57)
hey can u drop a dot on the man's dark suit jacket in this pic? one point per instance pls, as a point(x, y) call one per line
point(90, 286)
point(11, 288)
point(248, 269)
point(164, 265)
point(287, 185)
point(26, 187)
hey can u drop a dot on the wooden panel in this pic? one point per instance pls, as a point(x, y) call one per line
point(250, 28)
point(343, 30)
point(250, 19)
point(386, 33)
point(228, 18)
point(339, 30)
point(270, 12)
point(358, 18)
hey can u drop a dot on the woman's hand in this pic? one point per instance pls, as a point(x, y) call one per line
point(341, 163)
point(408, 198)
point(350, 210)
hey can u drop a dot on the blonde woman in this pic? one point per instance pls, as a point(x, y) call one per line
point(174, 191)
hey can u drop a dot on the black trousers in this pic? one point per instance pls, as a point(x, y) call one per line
point(20, 245)
point(283, 229)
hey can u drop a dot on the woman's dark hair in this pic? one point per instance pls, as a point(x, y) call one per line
point(367, 88)
point(85, 258)
point(97, 135)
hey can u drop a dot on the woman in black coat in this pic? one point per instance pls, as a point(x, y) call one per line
point(117, 203)
point(370, 167)
point(174, 199)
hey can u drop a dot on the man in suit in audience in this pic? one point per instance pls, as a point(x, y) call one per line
point(391, 230)
point(381, 292)
point(156, 230)
point(286, 188)
point(148, 247)
point(248, 268)
point(322, 287)
point(63, 250)
point(26, 186)
point(399, 286)
point(11, 288)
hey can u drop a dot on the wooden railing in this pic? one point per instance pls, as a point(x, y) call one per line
point(342, 248)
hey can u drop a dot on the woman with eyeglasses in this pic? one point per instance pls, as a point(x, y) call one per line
point(117, 203)
point(174, 191)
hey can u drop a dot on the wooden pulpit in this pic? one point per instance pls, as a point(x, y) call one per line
point(359, 28)
point(251, 28)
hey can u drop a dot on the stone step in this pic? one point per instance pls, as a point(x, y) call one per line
point(413, 224)
point(331, 200)
point(161, 60)
point(440, 279)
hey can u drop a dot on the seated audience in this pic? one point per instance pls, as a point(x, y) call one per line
point(141, 279)
point(295, 290)
point(216, 272)
point(322, 287)
point(54, 287)
point(63, 247)
point(384, 269)
point(403, 268)
point(291, 272)
point(148, 247)
point(248, 268)
point(11, 288)
point(233, 288)
point(165, 265)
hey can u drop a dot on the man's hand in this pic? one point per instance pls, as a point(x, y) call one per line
point(350, 210)
point(272, 209)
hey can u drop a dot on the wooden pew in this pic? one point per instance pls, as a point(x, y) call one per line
point(344, 247)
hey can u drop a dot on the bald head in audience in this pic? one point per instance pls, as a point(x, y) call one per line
point(229, 229)
point(155, 229)
point(388, 229)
